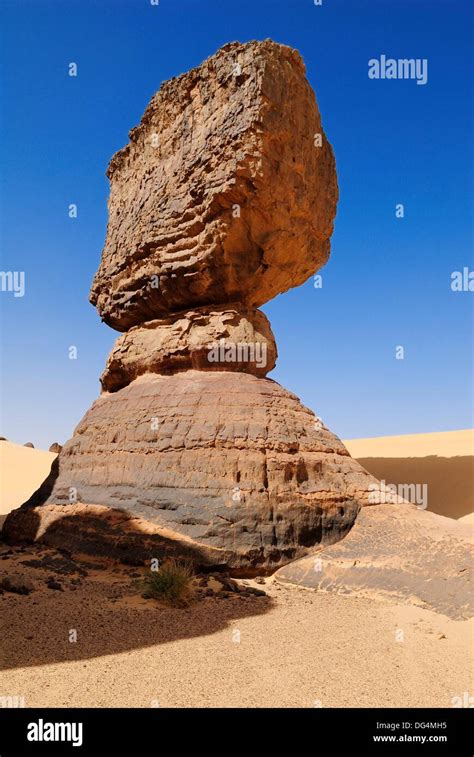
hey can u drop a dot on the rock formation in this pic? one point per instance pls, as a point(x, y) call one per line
point(224, 197)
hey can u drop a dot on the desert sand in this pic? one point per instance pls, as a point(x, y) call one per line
point(22, 470)
point(293, 647)
point(444, 461)
point(469, 519)
point(440, 443)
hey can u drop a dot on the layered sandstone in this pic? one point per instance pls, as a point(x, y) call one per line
point(224, 197)
point(227, 462)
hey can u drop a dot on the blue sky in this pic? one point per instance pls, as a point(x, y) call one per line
point(388, 280)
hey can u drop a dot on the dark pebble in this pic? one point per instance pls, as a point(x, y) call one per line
point(55, 585)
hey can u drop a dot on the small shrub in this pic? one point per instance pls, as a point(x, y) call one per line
point(171, 583)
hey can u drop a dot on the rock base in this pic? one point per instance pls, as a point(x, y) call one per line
point(226, 465)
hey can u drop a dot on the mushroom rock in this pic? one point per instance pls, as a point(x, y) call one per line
point(224, 198)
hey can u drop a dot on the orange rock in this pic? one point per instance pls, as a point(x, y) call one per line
point(226, 192)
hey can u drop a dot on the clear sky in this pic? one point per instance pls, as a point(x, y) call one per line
point(388, 282)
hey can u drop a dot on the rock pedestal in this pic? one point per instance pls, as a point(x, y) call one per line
point(224, 197)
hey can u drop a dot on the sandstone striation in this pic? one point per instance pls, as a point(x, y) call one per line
point(224, 197)
point(228, 462)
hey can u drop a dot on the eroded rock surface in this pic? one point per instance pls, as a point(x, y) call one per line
point(212, 338)
point(226, 192)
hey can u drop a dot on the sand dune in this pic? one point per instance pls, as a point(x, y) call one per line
point(22, 470)
point(444, 461)
point(440, 443)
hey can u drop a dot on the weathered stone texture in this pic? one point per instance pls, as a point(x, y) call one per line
point(209, 141)
point(205, 339)
point(230, 461)
point(400, 552)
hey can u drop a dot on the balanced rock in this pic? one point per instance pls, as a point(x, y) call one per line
point(226, 192)
point(225, 197)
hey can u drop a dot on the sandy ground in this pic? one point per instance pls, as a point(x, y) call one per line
point(291, 648)
point(469, 519)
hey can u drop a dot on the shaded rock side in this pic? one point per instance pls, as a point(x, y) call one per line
point(226, 192)
point(231, 466)
point(213, 338)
